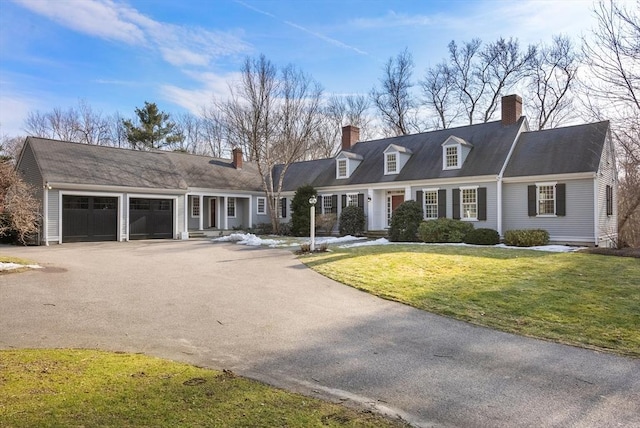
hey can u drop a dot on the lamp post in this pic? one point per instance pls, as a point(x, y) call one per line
point(312, 201)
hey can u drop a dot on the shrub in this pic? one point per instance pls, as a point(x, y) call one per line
point(482, 237)
point(326, 222)
point(444, 230)
point(285, 229)
point(526, 237)
point(352, 221)
point(405, 222)
point(300, 211)
point(263, 229)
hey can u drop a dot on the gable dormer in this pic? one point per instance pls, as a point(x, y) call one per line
point(346, 163)
point(454, 152)
point(395, 157)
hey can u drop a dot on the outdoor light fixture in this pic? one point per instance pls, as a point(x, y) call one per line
point(312, 201)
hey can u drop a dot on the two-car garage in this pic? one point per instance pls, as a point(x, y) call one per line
point(88, 218)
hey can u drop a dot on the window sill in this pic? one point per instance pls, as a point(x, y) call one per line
point(546, 216)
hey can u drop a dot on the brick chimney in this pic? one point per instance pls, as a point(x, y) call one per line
point(237, 158)
point(511, 109)
point(350, 136)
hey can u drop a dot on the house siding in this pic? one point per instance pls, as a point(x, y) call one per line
point(53, 224)
point(577, 226)
point(607, 224)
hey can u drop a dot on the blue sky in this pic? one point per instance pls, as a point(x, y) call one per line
point(115, 55)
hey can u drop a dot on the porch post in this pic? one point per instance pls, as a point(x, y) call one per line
point(201, 216)
point(370, 209)
point(224, 212)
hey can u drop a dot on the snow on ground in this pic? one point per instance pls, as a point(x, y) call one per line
point(253, 240)
point(10, 266)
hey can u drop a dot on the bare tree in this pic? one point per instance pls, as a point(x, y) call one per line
point(214, 130)
point(273, 115)
point(10, 148)
point(394, 101)
point(438, 89)
point(613, 58)
point(554, 71)
point(19, 210)
point(91, 127)
point(339, 111)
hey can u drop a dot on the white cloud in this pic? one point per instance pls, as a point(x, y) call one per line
point(110, 20)
point(15, 108)
point(104, 19)
point(212, 86)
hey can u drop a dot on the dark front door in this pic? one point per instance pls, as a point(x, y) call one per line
point(89, 218)
point(212, 212)
point(150, 218)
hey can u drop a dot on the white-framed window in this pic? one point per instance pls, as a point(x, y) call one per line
point(430, 203)
point(231, 207)
point(469, 203)
point(261, 205)
point(451, 157)
point(546, 199)
point(195, 206)
point(327, 204)
point(391, 163)
point(352, 199)
point(341, 168)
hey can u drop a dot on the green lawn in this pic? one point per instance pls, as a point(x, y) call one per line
point(62, 388)
point(16, 260)
point(580, 299)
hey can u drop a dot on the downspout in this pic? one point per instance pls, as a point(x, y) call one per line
point(45, 214)
point(501, 175)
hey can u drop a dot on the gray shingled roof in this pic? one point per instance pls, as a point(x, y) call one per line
point(491, 143)
point(74, 163)
point(558, 151)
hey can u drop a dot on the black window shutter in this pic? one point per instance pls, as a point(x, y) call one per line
point(420, 197)
point(442, 203)
point(344, 201)
point(482, 203)
point(361, 200)
point(455, 194)
point(609, 200)
point(283, 201)
point(561, 205)
point(334, 204)
point(531, 200)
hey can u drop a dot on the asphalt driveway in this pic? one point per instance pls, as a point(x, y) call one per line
point(262, 314)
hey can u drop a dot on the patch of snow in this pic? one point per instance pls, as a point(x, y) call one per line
point(10, 266)
point(253, 240)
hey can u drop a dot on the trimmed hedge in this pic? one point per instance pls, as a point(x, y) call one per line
point(526, 237)
point(352, 221)
point(405, 222)
point(482, 237)
point(444, 230)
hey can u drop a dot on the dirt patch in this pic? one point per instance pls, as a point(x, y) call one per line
point(620, 252)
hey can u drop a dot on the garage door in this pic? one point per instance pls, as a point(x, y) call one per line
point(150, 218)
point(89, 218)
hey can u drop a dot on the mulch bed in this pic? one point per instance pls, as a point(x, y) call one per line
point(620, 252)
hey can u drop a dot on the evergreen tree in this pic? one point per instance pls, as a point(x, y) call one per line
point(154, 129)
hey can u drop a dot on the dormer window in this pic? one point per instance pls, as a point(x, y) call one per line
point(451, 156)
point(391, 163)
point(454, 152)
point(346, 163)
point(342, 168)
point(395, 157)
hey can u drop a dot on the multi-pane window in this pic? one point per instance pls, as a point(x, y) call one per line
point(352, 199)
point(195, 206)
point(261, 205)
point(231, 207)
point(342, 168)
point(469, 203)
point(451, 157)
point(392, 163)
point(327, 204)
point(430, 204)
point(546, 200)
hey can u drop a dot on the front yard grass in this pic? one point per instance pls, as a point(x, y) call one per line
point(64, 388)
point(16, 260)
point(580, 299)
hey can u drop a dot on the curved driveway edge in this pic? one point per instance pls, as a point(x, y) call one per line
point(263, 314)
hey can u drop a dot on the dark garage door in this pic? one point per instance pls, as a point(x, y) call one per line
point(150, 218)
point(89, 218)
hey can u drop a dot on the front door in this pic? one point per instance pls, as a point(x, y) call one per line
point(393, 201)
point(212, 212)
